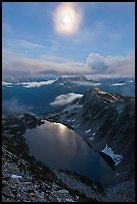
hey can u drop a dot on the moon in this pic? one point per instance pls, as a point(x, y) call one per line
point(67, 18)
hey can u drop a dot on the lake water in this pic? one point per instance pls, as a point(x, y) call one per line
point(61, 148)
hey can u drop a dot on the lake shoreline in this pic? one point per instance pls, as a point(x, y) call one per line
point(106, 157)
point(15, 158)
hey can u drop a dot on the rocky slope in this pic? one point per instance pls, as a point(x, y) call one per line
point(24, 179)
point(107, 122)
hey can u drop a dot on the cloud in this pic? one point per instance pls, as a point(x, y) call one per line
point(120, 65)
point(65, 99)
point(29, 84)
point(96, 62)
point(124, 65)
point(23, 47)
point(117, 84)
point(24, 44)
point(13, 106)
point(34, 65)
point(72, 107)
point(4, 83)
point(36, 84)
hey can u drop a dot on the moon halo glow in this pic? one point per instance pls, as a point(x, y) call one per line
point(67, 18)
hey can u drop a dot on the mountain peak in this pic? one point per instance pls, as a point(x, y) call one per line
point(105, 95)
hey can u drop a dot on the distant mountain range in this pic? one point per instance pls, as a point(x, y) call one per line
point(36, 95)
point(101, 111)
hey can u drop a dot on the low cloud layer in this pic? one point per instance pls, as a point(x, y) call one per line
point(65, 99)
point(21, 62)
point(36, 84)
point(95, 64)
point(4, 83)
point(120, 65)
point(13, 106)
point(29, 84)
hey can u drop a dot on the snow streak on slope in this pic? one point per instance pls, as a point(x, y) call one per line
point(116, 157)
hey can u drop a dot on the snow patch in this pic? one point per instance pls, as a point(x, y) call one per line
point(116, 157)
point(77, 125)
point(73, 120)
point(16, 177)
point(91, 138)
point(63, 191)
point(69, 200)
point(88, 130)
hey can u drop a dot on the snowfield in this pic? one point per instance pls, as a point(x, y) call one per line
point(116, 157)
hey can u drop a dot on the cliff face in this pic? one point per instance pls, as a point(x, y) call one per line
point(107, 122)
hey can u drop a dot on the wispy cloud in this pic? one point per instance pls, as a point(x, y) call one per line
point(26, 44)
point(4, 83)
point(22, 44)
point(36, 84)
point(95, 63)
point(34, 65)
point(15, 106)
point(65, 99)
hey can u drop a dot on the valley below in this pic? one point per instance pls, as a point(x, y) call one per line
point(82, 151)
point(68, 102)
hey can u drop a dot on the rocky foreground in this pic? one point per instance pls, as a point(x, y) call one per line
point(26, 180)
